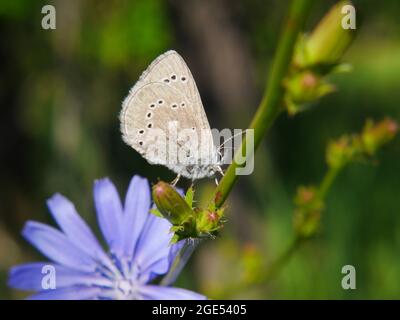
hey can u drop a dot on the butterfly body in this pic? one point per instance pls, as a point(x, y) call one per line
point(163, 119)
point(195, 172)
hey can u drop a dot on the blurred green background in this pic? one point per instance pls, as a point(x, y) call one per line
point(61, 93)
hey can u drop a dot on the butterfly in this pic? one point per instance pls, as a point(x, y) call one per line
point(166, 97)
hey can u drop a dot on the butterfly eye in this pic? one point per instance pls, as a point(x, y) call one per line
point(173, 77)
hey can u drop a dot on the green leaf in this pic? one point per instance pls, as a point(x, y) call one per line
point(175, 238)
point(176, 228)
point(156, 212)
point(189, 197)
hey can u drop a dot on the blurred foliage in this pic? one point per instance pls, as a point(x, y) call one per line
point(61, 93)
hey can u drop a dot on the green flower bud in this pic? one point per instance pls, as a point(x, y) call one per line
point(252, 259)
point(308, 211)
point(171, 204)
point(187, 222)
point(376, 135)
point(208, 221)
point(303, 88)
point(342, 151)
point(327, 43)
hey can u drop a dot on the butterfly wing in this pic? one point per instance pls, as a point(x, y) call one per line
point(166, 93)
point(151, 107)
point(171, 69)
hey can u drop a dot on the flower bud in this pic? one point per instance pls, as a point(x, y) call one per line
point(328, 41)
point(208, 221)
point(305, 197)
point(303, 88)
point(308, 211)
point(376, 135)
point(342, 151)
point(253, 263)
point(171, 204)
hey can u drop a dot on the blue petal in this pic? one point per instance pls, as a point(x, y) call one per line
point(168, 293)
point(163, 265)
point(56, 246)
point(109, 213)
point(29, 277)
point(75, 228)
point(153, 247)
point(68, 293)
point(158, 268)
point(136, 211)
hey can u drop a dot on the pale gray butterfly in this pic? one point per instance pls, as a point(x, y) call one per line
point(166, 97)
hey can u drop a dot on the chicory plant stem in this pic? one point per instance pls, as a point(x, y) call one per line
point(271, 103)
point(298, 240)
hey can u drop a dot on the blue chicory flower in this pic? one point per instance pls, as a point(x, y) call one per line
point(138, 241)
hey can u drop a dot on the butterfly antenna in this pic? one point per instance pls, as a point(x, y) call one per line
point(219, 169)
point(229, 139)
point(227, 148)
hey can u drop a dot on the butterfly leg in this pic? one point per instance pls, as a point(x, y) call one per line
point(219, 169)
point(175, 181)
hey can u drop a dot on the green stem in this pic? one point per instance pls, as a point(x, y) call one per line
point(281, 261)
point(273, 269)
point(270, 105)
point(326, 183)
point(285, 257)
point(271, 102)
point(277, 265)
point(180, 261)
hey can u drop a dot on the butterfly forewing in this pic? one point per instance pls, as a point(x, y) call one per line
point(153, 106)
point(171, 69)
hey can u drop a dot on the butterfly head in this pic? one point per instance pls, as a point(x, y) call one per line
point(213, 169)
